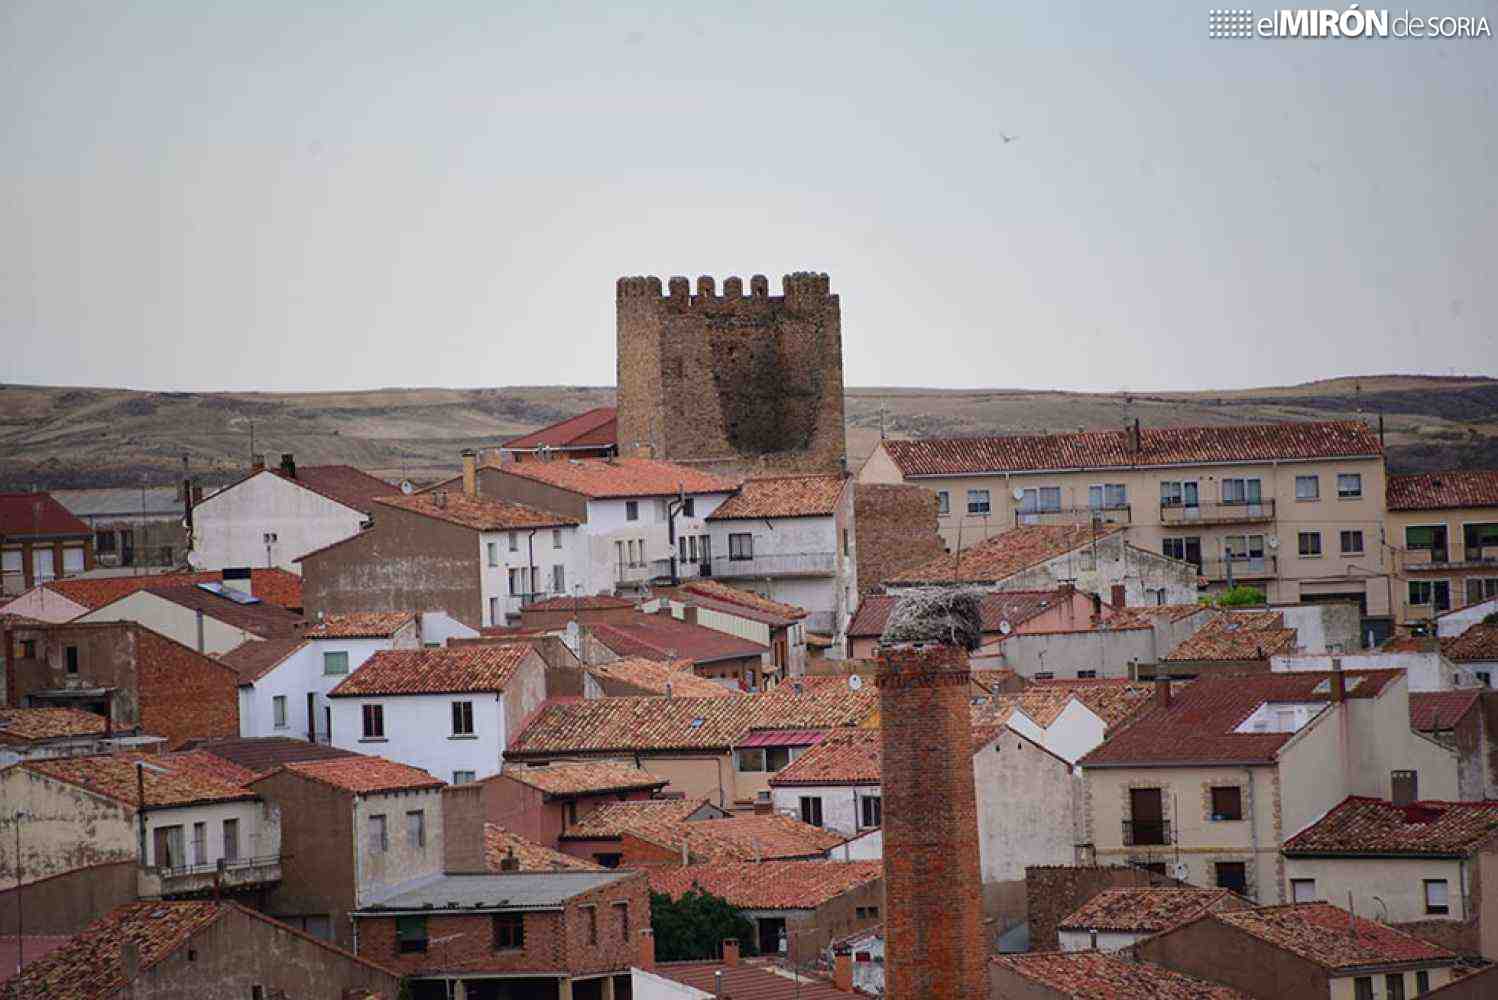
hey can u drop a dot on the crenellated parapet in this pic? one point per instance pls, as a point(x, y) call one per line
point(798, 288)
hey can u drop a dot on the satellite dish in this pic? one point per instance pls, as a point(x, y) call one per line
point(1274, 541)
point(1005, 627)
point(1180, 870)
point(855, 682)
point(1019, 494)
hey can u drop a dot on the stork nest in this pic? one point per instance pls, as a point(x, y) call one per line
point(950, 617)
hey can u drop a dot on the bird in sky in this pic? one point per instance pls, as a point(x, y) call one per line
point(1007, 138)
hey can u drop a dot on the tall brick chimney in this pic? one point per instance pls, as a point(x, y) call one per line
point(645, 958)
point(730, 952)
point(470, 472)
point(933, 911)
point(1162, 690)
point(842, 968)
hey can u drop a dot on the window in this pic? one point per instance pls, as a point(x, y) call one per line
point(72, 657)
point(870, 812)
point(978, 502)
point(103, 542)
point(619, 553)
point(1086, 674)
point(374, 722)
point(943, 502)
point(749, 761)
point(1394, 986)
point(514, 541)
point(1187, 549)
point(1045, 675)
point(231, 840)
point(776, 758)
point(608, 860)
point(1310, 543)
point(462, 718)
point(689, 507)
point(559, 580)
point(1362, 988)
point(1108, 496)
point(1352, 543)
point(1484, 677)
point(1242, 491)
point(416, 829)
point(592, 914)
point(519, 579)
point(621, 920)
point(377, 842)
point(1040, 500)
point(335, 663)
point(168, 846)
point(866, 912)
point(509, 931)
point(1245, 549)
point(1303, 890)
point(1480, 541)
point(492, 548)
point(811, 809)
point(632, 560)
point(556, 538)
point(1435, 896)
point(1179, 493)
point(1422, 982)
point(493, 611)
point(741, 546)
point(631, 510)
point(410, 934)
point(462, 777)
point(1404, 787)
point(1232, 875)
point(1227, 803)
point(1480, 589)
point(1308, 487)
point(278, 711)
point(846, 544)
point(200, 843)
point(1436, 593)
point(1349, 485)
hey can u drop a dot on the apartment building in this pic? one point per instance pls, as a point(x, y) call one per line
point(40, 541)
point(1294, 508)
point(1443, 527)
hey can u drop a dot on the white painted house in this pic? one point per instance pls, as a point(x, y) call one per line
point(210, 617)
point(450, 712)
point(792, 539)
point(272, 516)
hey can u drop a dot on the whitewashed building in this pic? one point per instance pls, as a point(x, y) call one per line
point(450, 712)
point(272, 516)
point(210, 617)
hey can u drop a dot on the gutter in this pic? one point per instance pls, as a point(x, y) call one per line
point(994, 473)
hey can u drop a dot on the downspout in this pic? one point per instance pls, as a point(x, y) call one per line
point(140, 807)
point(1253, 833)
point(530, 555)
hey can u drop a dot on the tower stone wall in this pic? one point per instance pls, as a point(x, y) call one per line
point(733, 382)
point(932, 879)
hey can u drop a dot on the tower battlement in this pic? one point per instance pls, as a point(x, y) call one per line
point(798, 287)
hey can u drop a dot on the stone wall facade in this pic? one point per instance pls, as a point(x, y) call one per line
point(896, 530)
point(732, 382)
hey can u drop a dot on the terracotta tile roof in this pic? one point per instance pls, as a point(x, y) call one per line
point(1157, 446)
point(1237, 636)
point(782, 496)
point(847, 757)
point(254, 658)
point(501, 845)
point(1436, 710)
point(662, 637)
point(652, 676)
point(1198, 726)
point(643, 724)
point(1012, 606)
point(1438, 490)
point(262, 618)
point(1477, 644)
point(743, 602)
point(209, 766)
point(1142, 910)
point(23, 725)
point(585, 777)
point(618, 818)
point(740, 837)
point(600, 478)
point(360, 625)
point(750, 981)
point(37, 515)
point(1377, 827)
point(363, 775)
point(450, 670)
point(478, 513)
point(166, 783)
point(597, 602)
point(343, 483)
point(1096, 975)
point(595, 428)
point(274, 585)
point(769, 885)
point(1005, 554)
point(263, 754)
point(1318, 932)
point(1114, 703)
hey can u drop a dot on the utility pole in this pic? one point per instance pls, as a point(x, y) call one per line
point(20, 938)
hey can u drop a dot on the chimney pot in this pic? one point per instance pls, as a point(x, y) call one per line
point(730, 952)
point(288, 465)
point(645, 959)
point(1339, 681)
point(1162, 691)
point(842, 968)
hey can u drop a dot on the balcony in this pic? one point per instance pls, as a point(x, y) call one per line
point(1178, 515)
point(188, 881)
point(770, 564)
point(1076, 515)
point(1146, 833)
point(1416, 560)
point(1244, 568)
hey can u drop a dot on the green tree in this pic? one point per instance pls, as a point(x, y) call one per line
point(1240, 597)
point(1491, 619)
point(694, 926)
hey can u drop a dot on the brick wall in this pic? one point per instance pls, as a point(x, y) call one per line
point(1053, 891)
point(933, 920)
point(896, 529)
point(184, 694)
point(736, 382)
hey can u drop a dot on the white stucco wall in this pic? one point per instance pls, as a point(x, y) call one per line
point(867, 846)
point(295, 677)
point(608, 522)
point(1386, 889)
point(173, 621)
point(418, 731)
point(1029, 808)
point(1106, 940)
point(1076, 732)
point(437, 627)
point(839, 804)
point(494, 581)
point(229, 527)
point(1454, 623)
point(259, 830)
point(44, 606)
point(649, 986)
point(375, 872)
point(1425, 671)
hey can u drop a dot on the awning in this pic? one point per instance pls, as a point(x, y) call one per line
point(782, 738)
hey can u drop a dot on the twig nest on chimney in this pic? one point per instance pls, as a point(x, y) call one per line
point(951, 617)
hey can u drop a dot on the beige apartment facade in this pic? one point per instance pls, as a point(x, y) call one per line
point(1443, 529)
point(1294, 509)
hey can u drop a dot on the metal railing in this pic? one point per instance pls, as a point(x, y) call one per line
point(1146, 833)
point(1415, 560)
point(1122, 514)
point(1229, 512)
point(1243, 568)
point(237, 865)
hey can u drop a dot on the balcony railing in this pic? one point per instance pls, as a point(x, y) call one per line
point(196, 880)
point(1415, 560)
point(1244, 568)
point(1122, 514)
point(1146, 833)
point(1217, 513)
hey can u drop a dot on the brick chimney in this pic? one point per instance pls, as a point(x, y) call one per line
point(645, 954)
point(730, 952)
point(288, 465)
point(689, 614)
point(470, 472)
point(842, 968)
point(1134, 437)
point(257, 462)
point(1339, 681)
point(1119, 598)
point(1162, 691)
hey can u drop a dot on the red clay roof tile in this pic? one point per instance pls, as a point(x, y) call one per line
point(1379, 828)
point(1142, 910)
point(1431, 711)
point(599, 478)
point(594, 428)
point(450, 670)
point(274, 585)
point(585, 777)
point(1478, 644)
point(769, 885)
point(166, 782)
point(662, 637)
point(1005, 554)
point(23, 725)
point(734, 600)
point(359, 625)
point(1095, 975)
point(653, 676)
point(478, 513)
point(782, 496)
point(1443, 490)
point(1318, 932)
point(503, 848)
point(363, 775)
point(37, 515)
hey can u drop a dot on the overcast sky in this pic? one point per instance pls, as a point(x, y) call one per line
point(255, 195)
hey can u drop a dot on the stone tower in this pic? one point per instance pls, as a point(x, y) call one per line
point(932, 880)
point(733, 382)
